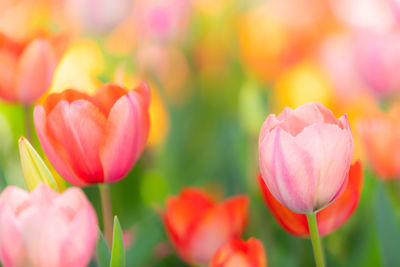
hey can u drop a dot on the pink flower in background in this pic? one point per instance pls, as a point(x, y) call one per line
point(378, 61)
point(375, 15)
point(98, 15)
point(305, 156)
point(26, 69)
point(160, 19)
point(94, 139)
point(43, 228)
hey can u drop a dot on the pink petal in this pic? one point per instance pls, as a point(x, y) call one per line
point(211, 233)
point(126, 134)
point(14, 197)
point(77, 248)
point(287, 170)
point(71, 201)
point(42, 195)
point(79, 127)
point(12, 247)
point(35, 70)
point(332, 150)
point(54, 151)
point(43, 227)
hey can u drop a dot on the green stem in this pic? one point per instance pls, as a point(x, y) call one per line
point(28, 122)
point(316, 242)
point(107, 213)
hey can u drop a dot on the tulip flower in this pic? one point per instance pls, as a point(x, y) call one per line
point(197, 226)
point(380, 136)
point(43, 228)
point(328, 219)
point(26, 69)
point(248, 253)
point(305, 156)
point(94, 139)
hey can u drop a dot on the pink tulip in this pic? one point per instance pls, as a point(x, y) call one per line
point(305, 156)
point(94, 139)
point(43, 228)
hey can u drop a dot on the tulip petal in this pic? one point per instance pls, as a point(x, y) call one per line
point(332, 149)
point(126, 133)
point(179, 217)
point(294, 223)
point(74, 251)
point(107, 95)
point(211, 232)
point(336, 214)
point(15, 197)
point(237, 209)
point(8, 66)
point(289, 169)
point(54, 151)
point(78, 127)
point(12, 247)
point(43, 227)
point(330, 218)
point(35, 70)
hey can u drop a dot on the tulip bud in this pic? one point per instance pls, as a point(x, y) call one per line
point(305, 156)
point(34, 169)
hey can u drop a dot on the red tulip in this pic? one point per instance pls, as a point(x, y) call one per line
point(94, 139)
point(197, 226)
point(330, 218)
point(26, 69)
point(240, 253)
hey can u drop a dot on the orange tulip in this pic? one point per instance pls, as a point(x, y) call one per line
point(380, 136)
point(94, 139)
point(240, 253)
point(26, 69)
point(329, 218)
point(197, 226)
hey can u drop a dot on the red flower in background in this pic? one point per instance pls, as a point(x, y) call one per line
point(198, 227)
point(236, 253)
point(329, 218)
point(27, 68)
point(94, 139)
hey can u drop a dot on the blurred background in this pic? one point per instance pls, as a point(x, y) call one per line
point(216, 70)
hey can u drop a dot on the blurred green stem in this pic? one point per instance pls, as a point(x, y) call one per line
point(393, 189)
point(28, 122)
point(107, 213)
point(316, 242)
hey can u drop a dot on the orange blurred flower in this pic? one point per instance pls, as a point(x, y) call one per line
point(26, 68)
point(329, 218)
point(248, 253)
point(197, 226)
point(380, 136)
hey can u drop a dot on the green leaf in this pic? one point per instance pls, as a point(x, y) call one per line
point(34, 169)
point(118, 250)
point(102, 251)
point(388, 229)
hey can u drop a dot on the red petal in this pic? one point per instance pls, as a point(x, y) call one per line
point(107, 95)
point(294, 223)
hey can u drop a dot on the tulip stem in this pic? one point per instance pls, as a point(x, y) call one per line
point(315, 240)
point(28, 122)
point(107, 213)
